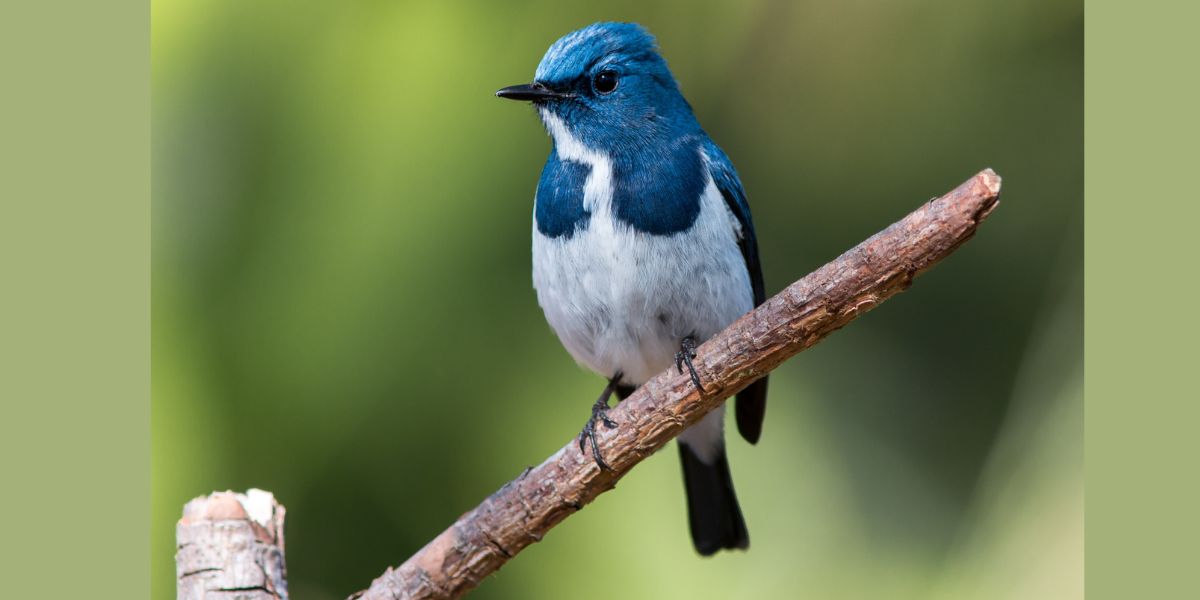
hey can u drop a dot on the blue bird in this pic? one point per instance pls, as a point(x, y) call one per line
point(643, 245)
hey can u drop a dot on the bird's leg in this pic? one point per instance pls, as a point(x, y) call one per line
point(599, 413)
point(687, 351)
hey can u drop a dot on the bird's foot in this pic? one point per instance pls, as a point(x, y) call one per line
point(687, 351)
point(599, 414)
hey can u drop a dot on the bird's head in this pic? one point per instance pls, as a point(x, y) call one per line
point(608, 85)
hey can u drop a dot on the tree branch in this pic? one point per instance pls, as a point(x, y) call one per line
point(522, 511)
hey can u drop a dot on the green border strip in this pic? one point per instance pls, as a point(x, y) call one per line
point(1143, 488)
point(74, 322)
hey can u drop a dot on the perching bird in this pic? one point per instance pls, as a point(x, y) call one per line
point(642, 243)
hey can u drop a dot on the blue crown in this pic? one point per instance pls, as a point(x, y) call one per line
point(574, 53)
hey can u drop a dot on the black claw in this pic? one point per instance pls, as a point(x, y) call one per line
point(589, 433)
point(687, 351)
point(599, 413)
point(596, 455)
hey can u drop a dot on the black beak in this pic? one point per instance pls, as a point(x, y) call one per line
point(532, 92)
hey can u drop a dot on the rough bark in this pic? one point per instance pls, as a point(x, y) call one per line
point(522, 511)
point(230, 546)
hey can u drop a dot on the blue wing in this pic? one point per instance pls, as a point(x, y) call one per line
point(751, 404)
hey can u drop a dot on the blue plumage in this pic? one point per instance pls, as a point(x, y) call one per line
point(643, 243)
point(657, 189)
point(559, 209)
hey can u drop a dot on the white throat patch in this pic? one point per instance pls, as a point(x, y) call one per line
point(598, 189)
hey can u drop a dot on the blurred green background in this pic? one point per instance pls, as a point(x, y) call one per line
point(343, 312)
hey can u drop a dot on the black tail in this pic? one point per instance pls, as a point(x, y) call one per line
point(750, 408)
point(713, 512)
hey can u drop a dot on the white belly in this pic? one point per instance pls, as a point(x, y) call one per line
point(621, 301)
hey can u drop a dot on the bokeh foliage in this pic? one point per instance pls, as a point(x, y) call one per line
point(343, 311)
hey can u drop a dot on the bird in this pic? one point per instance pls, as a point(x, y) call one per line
point(643, 245)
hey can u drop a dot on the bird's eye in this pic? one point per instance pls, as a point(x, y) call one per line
point(605, 82)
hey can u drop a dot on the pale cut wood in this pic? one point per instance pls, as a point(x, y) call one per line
point(525, 509)
point(230, 546)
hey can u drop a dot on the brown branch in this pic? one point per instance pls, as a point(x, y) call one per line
point(231, 545)
point(522, 511)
